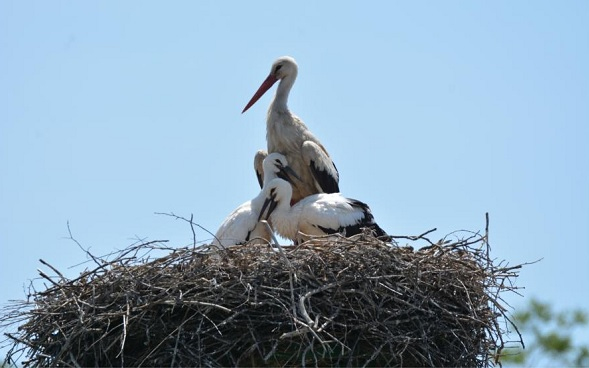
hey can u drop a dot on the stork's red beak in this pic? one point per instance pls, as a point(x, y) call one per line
point(269, 82)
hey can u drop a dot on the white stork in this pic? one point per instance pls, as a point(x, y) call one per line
point(287, 134)
point(242, 225)
point(317, 214)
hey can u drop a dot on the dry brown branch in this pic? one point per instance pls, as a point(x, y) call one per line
point(331, 301)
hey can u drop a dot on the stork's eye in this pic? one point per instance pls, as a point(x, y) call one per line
point(277, 68)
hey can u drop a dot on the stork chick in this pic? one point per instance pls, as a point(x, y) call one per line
point(317, 214)
point(243, 225)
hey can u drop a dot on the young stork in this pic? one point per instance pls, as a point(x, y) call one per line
point(317, 214)
point(243, 225)
point(287, 134)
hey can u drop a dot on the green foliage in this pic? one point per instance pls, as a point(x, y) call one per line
point(548, 336)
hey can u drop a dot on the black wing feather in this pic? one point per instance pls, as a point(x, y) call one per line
point(260, 179)
point(327, 182)
point(367, 221)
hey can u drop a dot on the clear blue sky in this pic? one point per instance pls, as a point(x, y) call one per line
point(434, 112)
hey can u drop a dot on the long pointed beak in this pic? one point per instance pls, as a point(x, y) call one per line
point(266, 203)
point(269, 82)
point(271, 209)
point(287, 173)
point(271, 204)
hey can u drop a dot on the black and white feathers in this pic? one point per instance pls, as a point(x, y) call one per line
point(317, 214)
point(243, 225)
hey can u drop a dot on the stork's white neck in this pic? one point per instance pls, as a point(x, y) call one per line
point(280, 102)
point(269, 174)
point(284, 219)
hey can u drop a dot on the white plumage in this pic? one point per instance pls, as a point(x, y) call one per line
point(317, 214)
point(242, 225)
point(288, 135)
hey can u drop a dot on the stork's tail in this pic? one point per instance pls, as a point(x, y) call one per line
point(380, 234)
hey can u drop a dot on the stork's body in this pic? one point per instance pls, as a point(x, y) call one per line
point(243, 225)
point(317, 214)
point(288, 135)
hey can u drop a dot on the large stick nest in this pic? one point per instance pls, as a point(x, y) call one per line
point(342, 302)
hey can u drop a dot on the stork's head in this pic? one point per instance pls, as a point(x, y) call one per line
point(275, 165)
point(282, 68)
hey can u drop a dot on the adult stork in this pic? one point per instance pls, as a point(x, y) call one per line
point(288, 135)
point(242, 225)
point(317, 214)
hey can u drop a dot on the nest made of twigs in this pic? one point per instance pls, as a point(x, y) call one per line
point(336, 301)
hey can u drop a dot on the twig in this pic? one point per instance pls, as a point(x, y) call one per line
point(53, 269)
point(414, 238)
point(171, 214)
point(192, 229)
point(47, 277)
point(71, 237)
